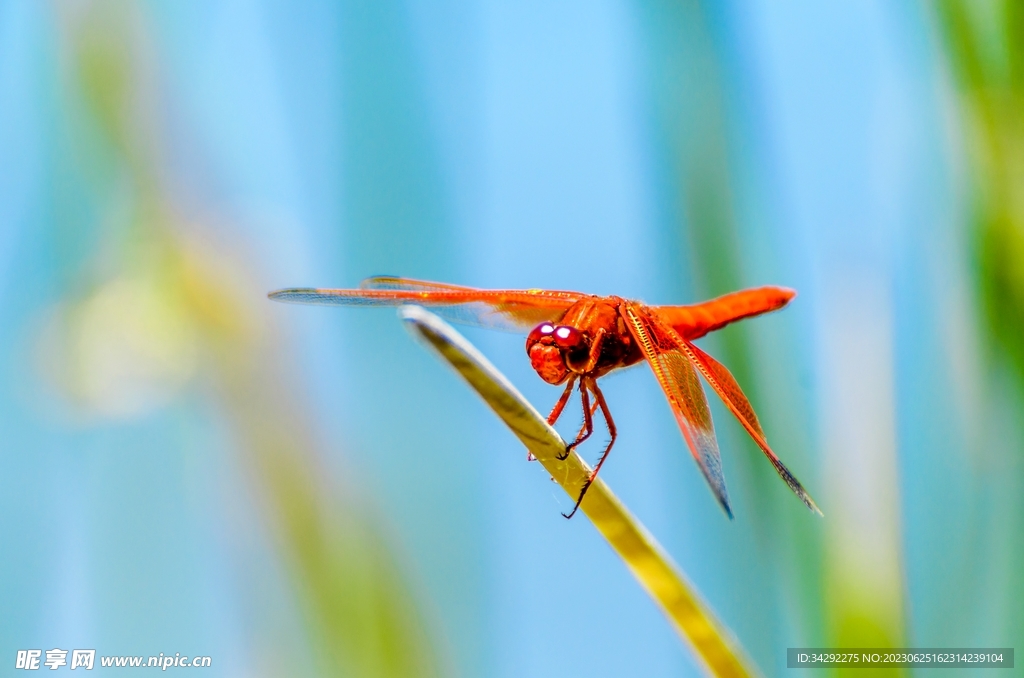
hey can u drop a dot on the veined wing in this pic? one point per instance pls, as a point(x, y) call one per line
point(511, 310)
point(391, 282)
point(679, 380)
point(729, 391)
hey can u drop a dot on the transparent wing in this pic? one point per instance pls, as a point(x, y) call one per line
point(680, 382)
point(390, 282)
point(510, 310)
point(729, 391)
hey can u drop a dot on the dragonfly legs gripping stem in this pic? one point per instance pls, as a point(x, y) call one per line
point(592, 385)
point(588, 421)
point(556, 411)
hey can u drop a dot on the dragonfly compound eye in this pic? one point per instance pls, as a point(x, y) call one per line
point(538, 333)
point(568, 337)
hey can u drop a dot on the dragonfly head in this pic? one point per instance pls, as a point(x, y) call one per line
point(550, 347)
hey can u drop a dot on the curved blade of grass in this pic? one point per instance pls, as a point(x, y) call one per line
point(710, 640)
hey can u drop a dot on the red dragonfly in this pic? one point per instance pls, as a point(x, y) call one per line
point(575, 339)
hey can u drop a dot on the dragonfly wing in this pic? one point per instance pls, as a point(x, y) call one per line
point(679, 380)
point(732, 395)
point(510, 310)
point(509, 314)
point(387, 282)
point(390, 282)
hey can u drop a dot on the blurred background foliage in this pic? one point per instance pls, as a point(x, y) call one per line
point(148, 308)
point(987, 58)
point(189, 468)
point(985, 52)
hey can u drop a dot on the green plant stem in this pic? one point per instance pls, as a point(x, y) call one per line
point(719, 651)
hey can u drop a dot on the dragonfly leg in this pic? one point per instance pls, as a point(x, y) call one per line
point(595, 351)
point(556, 411)
point(580, 437)
point(604, 455)
point(588, 422)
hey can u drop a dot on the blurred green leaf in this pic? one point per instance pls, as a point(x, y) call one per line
point(361, 614)
point(985, 43)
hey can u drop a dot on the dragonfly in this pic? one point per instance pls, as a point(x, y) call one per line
point(575, 339)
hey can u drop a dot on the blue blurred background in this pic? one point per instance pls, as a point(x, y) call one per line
point(187, 467)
